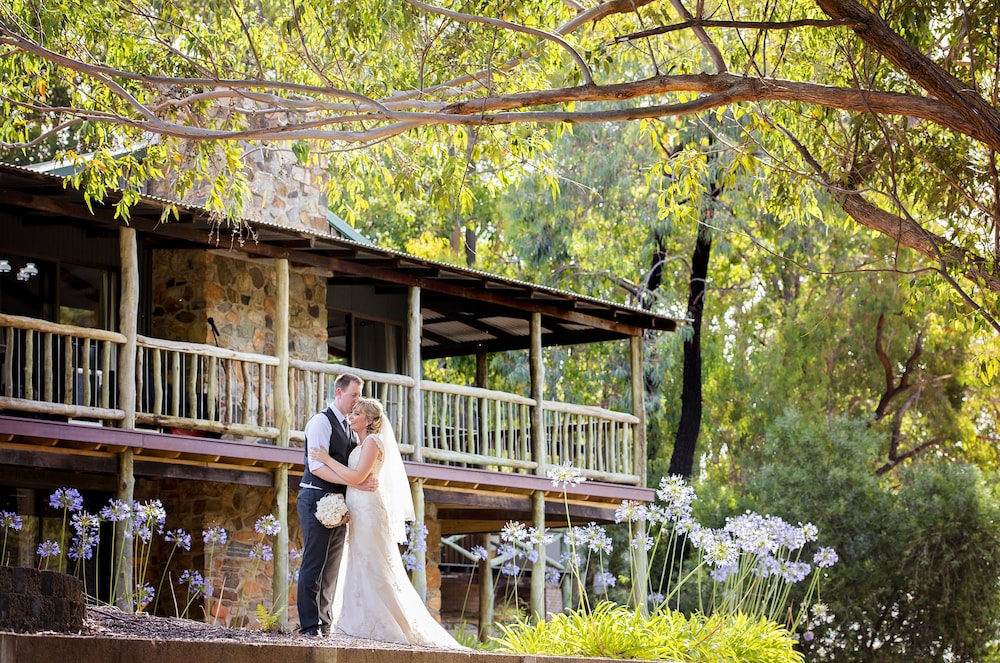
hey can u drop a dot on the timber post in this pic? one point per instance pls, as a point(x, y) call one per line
point(539, 455)
point(640, 563)
point(486, 591)
point(283, 414)
point(420, 512)
point(128, 316)
point(414, 428)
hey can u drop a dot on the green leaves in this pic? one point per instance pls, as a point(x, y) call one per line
point(616, 632)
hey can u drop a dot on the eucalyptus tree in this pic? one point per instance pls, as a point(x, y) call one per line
point(890, 107)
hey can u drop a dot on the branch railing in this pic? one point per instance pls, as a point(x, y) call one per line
point(59, 370)
point(199, 387)
point(68, 371)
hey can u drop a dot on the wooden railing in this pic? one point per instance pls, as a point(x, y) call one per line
point(192, 386)
point(58, 370)
point(69, 371)
point(311, 389)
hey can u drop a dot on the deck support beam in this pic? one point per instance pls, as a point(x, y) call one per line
point(640, 564)
point(539, 454)
point(283, 418)
point(128, 317)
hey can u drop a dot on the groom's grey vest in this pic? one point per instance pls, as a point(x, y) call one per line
point(339, 447)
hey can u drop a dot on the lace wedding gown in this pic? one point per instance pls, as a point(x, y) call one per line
point(375, 598)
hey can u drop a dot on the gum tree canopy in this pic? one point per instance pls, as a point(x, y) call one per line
point(889, 107)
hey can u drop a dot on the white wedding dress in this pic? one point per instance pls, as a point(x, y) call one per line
point(375, 598)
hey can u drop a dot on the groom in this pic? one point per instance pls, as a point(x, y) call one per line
point(322, 547)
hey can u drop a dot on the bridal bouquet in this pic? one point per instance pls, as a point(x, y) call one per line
point(331, 510)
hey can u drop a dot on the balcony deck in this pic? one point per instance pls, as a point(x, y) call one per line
point(208, 413)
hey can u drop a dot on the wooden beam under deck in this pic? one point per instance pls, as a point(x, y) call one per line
point(469, 500)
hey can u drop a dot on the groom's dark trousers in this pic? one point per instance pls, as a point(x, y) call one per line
point(321, 546)
point(320, 564)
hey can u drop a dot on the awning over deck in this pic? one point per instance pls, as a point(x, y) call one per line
point(463, 310)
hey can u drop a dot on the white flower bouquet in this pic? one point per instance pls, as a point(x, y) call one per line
point(331, 510)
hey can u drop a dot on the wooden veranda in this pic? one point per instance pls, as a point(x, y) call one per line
point(119, 403)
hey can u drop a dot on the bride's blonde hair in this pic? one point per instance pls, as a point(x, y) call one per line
point(372, 410)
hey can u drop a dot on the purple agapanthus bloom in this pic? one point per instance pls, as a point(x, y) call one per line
point(268, 525)
point(10, 520)
point(66, 498)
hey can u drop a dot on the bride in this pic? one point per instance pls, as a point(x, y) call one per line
point(375, 598)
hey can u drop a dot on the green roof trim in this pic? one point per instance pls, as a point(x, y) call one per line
point(345, 229)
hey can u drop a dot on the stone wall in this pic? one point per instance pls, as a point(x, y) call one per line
point(282, 190)
point(33, 600)
point(433, 555)
point(240, 582)
point(189, 287)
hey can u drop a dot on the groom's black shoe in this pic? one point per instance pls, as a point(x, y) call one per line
point(310, 632)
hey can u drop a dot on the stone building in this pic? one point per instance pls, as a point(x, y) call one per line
point(153, 361)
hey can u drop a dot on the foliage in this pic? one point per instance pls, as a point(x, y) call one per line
point(914, 549)
point(267, 621)
point(887, 107)
point(741, 579)
point(618, 632)
point(141, 525)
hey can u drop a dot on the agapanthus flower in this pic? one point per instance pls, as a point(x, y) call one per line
point(116, 511)
point(514, 531)
point(411, 562)
point(750, 533)
point(722, 573)
point(261, 551)
point(565, 475)
point(151, 513)
point(768, 566)
point(143, 595)
point(795, 571)
point(825, 558)
point(598, 540)
point(604, 580)
point(66, 498)
point(81, 548)
point(10, 520)
point(821, 613)
point(716, 546)
point(642, 543)
point(84, 523)
point(48, 549)
point(479, 553)
point(552, 575)
point(148, 517)
point(572, 561)
point(179, 537)
point(196, 583)
point(630, 511)
point(215, 536)
point(268, 525)
point(540, 536)
point(416, 537)
point(507, 550)
point(510, 569)
point(676, 496)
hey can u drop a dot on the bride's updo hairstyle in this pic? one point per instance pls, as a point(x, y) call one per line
point(372, 410)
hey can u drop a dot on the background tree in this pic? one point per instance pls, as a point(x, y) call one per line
point(891, 109)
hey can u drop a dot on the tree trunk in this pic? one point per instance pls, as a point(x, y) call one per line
point(686, 440)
